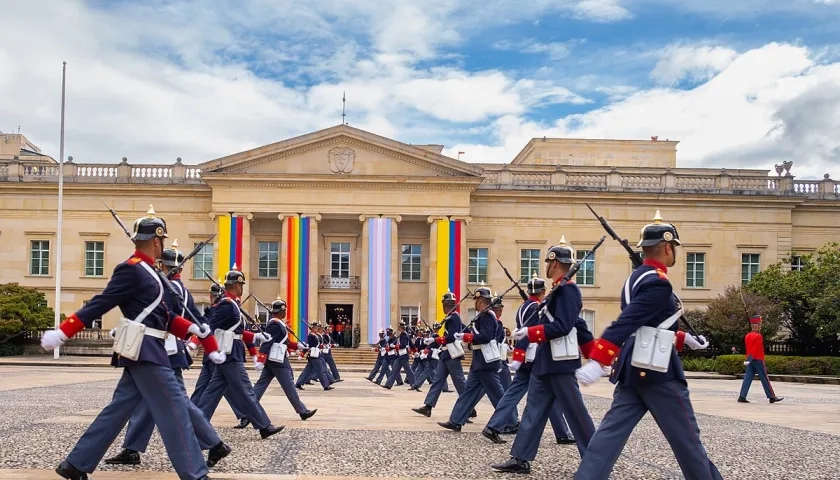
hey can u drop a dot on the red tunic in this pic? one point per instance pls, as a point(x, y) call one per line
point(754, 343)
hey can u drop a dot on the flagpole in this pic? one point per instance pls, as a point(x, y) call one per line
point(60, 211)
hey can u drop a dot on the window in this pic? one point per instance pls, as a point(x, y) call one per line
point(797, 263)
point(203, 260)
point(94, 259)
point(589, 317)
point(529, 263)
point(411, 262)
point(262, 314)
point(695, 270)
point(39, 257)
point(477, 265)
point(269, 260)
point(340, 260)
point(586, 274)
point(409, 315)
point(750, 265)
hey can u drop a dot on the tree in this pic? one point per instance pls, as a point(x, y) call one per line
point(810, 298)
point(727, 320)
point(22, 309)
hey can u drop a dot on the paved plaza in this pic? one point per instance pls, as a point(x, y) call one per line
point(362, 430)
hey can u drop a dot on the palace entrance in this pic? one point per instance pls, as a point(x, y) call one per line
point(340, 317)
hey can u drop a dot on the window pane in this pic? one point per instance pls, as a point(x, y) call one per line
point(203, 260)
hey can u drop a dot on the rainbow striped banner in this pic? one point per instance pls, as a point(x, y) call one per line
point(230, 244)
point(448, 274)
point(297, 284)
point(379, 276)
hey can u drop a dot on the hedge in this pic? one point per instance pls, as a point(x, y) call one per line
point(10, 349)
point(780, 365)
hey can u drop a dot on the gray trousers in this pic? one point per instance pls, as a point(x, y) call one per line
point(331, 363)
point(479, 382)
point(387, 366)
point(156, 386)
point(445, 368)
point(379, 362)
point(314, 367)
point(401, 363)
point(284, 377)
point(507, 416)
point(141, 425)
point(504, 376)
point(201, 385)
point(543, 392)
point(670, 406)
point(233, 377)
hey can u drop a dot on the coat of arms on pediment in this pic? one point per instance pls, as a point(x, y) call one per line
point(342, 159)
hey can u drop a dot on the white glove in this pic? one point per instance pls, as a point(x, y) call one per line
point(302, 346)
point(200, 332)
point(694, 344)
point(520, 333)
point(53, 339)
point(746, 362)
point(113, 333)
point(258, 366)
point(459, 336)
point(428, 341)
point(255, 359)
point(217, 357)
point(514, 365)
point(191, 345)
point(262, 336)
point(589, 373)
point(607, 370)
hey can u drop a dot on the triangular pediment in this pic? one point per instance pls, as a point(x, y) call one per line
point(344, 151)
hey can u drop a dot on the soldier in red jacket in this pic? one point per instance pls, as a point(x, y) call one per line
point(754, 344)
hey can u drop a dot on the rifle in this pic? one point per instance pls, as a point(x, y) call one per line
point(636, 258)
point(493, 303)
point(268, 310)
point(510, 277)
point(570, 274)
point(243, 312)
point(192, 254)
point(163, 278)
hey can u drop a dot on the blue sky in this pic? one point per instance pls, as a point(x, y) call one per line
point(748, 83)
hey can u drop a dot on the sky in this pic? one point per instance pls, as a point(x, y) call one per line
point(741, 84)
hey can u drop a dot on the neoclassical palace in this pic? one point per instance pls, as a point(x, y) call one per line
point(346, 224)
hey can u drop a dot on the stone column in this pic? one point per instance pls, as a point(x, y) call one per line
point(464, 254)
point(396, 256)
point(245, 268)
point(432, 305)
point(314, 313)
point(362, 316)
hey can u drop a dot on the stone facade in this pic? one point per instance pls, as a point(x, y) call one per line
point(365, 201)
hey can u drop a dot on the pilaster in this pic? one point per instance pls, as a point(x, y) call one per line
point(284, 256)
point(464, 257)
point(364, 305)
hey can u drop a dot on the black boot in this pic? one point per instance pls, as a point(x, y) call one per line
point(126, 457)
point(307, 414)
point(492, 435)
point(742, 400)
point(451, 426)
point(425, 410)
point(566, 441)
point(270, 430)
point(513, 465)
point(776, 399)
point(298, 386)
point(65, 470)
point(217, 453)
point(473, 414)
point(243, 422)
point(511, 430)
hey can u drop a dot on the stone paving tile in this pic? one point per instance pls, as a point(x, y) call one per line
point(379, 436)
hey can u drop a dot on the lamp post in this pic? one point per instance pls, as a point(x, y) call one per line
point(57, 305)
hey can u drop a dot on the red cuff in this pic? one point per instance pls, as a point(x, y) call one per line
point(387, 349)
point(413, 350)
point(427, 351)
point(292, 345)
point(71, 326)
point(680, 340)
point(248, 336)
point(209, 344)
point(252, 351)
point(468, 337)
point(194, 341)
point(586, 348)
point(440, 340)
point(180, 327)
point(536, 334)
point(518, 355)
point(261, 357)
point(604, 352)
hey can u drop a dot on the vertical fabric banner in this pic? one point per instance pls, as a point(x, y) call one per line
point(379, 276)
point(230, 244)
point(448, 274)
point(297, 286)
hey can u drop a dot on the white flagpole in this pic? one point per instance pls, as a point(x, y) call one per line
point(57, 306)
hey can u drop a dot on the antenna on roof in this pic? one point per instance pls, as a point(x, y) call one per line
point(343, 105)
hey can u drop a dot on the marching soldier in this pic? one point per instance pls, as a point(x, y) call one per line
point(328, 358)
point(141, 425)
point(647, 300)
point(402, 345)
point(447, 366)
point(754, 344)
point(380, 357)
point(504, 369)
point(137, 289)
point(231, 375)
point(390, 358)
point(505, 419)
point(278, 366)
point(314, 365)
point(432, 357)
point(484, 372)
point(553, 380)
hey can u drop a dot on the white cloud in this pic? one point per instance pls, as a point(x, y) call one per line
point(697, 62)
point(601, 10)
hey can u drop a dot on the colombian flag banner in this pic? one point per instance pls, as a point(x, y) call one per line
point(230, 243)
point(448, 274)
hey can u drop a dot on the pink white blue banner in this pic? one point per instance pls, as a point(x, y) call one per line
point(379, 276)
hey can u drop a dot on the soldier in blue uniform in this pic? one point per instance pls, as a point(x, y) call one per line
point(501, 338)
point(432, 357)
point(328, 357)
point(505, 419)
point(231, 375)
point(402, 345)
point(379, 348)
point(484, 369)
point(314, 364)
point(647, 300)
point(137, 289)
point(447, 366)
point(141, 425)
point(559, 333)
point(278, 366)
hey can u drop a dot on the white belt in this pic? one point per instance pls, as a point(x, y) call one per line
point(237, 337)
point(153, 332)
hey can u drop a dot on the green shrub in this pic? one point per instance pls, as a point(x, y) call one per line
point(10, 349)
point(780, 365)
point(699, 364)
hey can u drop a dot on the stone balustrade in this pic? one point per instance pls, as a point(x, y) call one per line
point(33, 171)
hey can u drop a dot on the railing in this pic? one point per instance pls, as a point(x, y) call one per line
point(340, 283)
point(86, 334)
point(28, 171)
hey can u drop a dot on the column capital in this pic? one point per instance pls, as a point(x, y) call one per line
point(365, 216)
point(397, 218)
point(316, 216)
point(247, 215)
point(434, 218)
point(466, 218)
point(283, 216)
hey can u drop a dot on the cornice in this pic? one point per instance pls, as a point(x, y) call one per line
point(674, 199)
point(172, 190)
point(379, 183)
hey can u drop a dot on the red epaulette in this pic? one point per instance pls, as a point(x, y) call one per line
point(661, 274)
point(134, 260)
